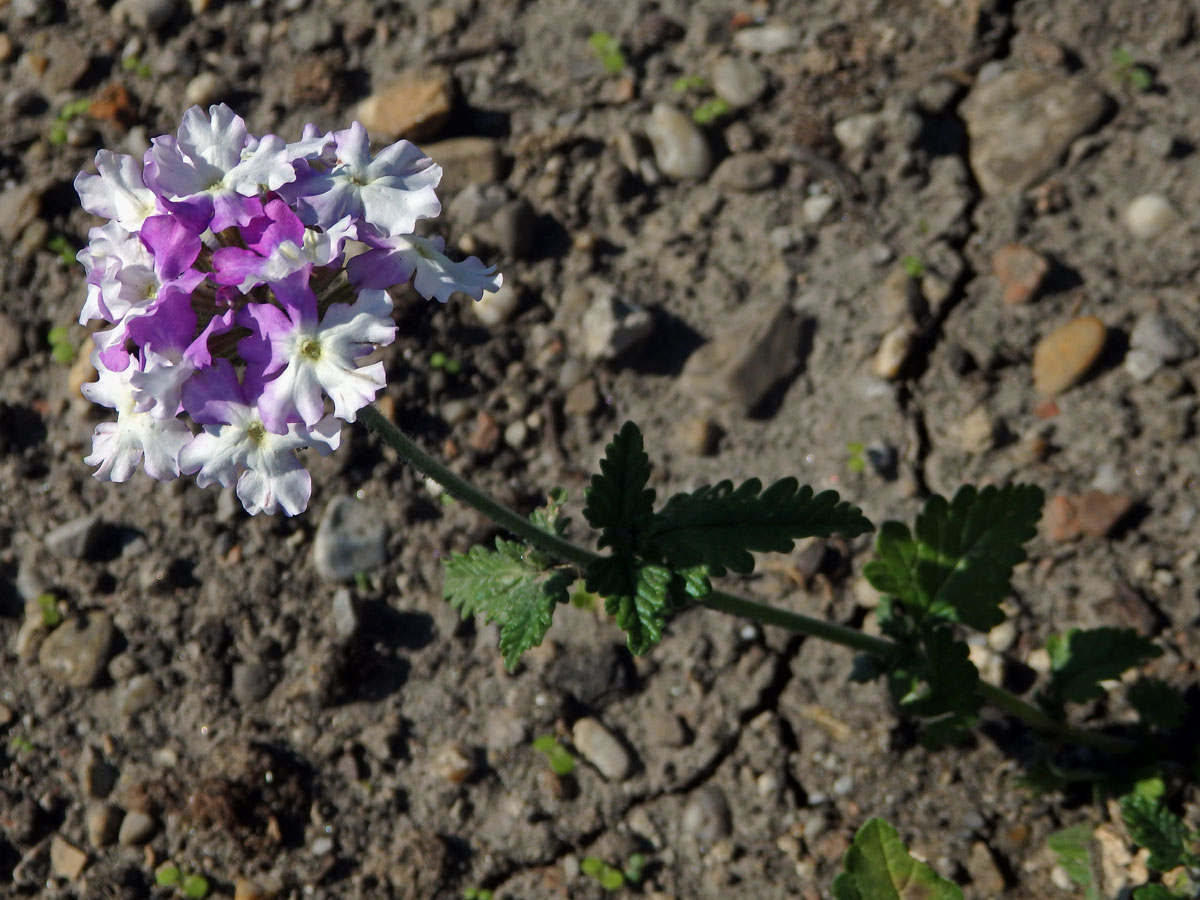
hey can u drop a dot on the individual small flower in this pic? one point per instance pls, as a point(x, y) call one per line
point(212, 172)
point(390, 192)
point(397, 259)
point(278, 245)
point(237, 446)
point(309, 358)
point(117, 192)
point(118, 447)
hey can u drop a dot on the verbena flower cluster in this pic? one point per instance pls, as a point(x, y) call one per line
point(234, 303)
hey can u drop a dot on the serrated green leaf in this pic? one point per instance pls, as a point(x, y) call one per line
point(618, 503)
point(636, 594)
point(878, 867)
point(1157, 703)
point(1153, 826)
point(957, 564)
point(720, 525)
point(1153, 892)
point(508, 589)
point(1080, 660)
point(940, 688)
point(1073, 846)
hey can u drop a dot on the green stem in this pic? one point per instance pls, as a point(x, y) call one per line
point(721, 601)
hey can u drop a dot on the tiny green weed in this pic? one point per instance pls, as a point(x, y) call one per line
point(477, 893)
point(610, 878)
point(62, 248)
point(913, 266)
point(135, 64)
point(1125, 67)
point(709, 111)
point(61, 348)
point(439, 360)
point(855, 461)
point(608, 50)
point(48, 606)
point(558, 757)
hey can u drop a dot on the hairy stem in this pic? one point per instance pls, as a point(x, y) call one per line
point(564, 550)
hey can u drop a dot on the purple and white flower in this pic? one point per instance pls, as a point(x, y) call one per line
point(222, 276)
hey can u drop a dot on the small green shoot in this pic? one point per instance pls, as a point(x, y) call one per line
point(135, 64)
point(62, 248)
point(48, 606)
point(855, 462)
point(18, 744)
point(476, 893)
point(439, 360)
point(610, 878)
point(687, 83)
point(167, 875)
point(635, 868)
point(558, 757)
point(608, 50)
point(194, 887)
point(1127, 70)
point(61, 348)
point(913, 267)
point(709, 111)
point(360, 582)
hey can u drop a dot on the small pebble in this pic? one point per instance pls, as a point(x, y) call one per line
point(247, 889)
point(769, 38)
point(350, 539)
point(322, 845)
point(1065, 355)
point(857, 133)
point(516, 434)
point(613, 325)
point(497, 307)
point(143, 14)
point(681, 150)
point(453, 763)
point(892, 354)
point(976, 431)
point(738, 82)
point(77, 539)
point(251, 682)
point(1149, 215)
point(1021, 272)
point(602, 749)
point(986, 877)
point(136, 829)
point(706, 815)
point(205, 89)
point(75, 653)
point(138, 694)
point(103, 822)
point(66, 860)
point(698, 435)
point(817, 207)
point(843, 785)
point(1162, 337)
point(415, 106)
point(1093, 513)
point(345, 613)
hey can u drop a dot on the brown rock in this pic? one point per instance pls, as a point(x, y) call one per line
point(986, 877)
point(582, 399)
point(247, 889)
point(66, 860)
point(1066, 354)
point(76, 652)
point(464, 161)
point(19, 206)
point(486, 436)
point(415, 106)
point(1020, 271)
point(1093, 513)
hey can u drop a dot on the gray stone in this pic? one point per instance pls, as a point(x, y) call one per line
point(1162, 337)
point(706, 815)
point(602, 749)
point(476, 203)
point(12, 344)
point(310, 31)
point(76, 539)
point(1149, 215)
point(345, 613)
point(771, 38)
point(612, 325)
point(138, 694)
point(136, 829)
point(1022, 122)
point(205, 89)
point(19, 206)
point(681, 150)
point(857, 133)
point(251, 682)
point(74, 653)
point(66, 860)
point(511, 228)
point(738, 82)
point(503, 731)
point(144, 14)
point(740, 366)
point(745, 172)
point(350, 539)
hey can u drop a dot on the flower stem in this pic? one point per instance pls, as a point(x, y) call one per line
point(721, 601)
